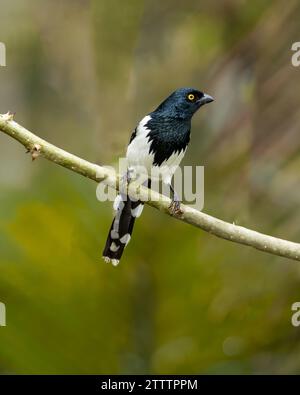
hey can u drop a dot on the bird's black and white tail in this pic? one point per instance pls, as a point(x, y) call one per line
point(121, 228)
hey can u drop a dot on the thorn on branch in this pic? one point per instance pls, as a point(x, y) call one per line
point(9, 116)
point(35, 151)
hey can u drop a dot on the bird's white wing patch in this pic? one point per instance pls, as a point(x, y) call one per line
point(138, 151)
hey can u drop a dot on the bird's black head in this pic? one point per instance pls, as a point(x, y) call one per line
point(183, 103)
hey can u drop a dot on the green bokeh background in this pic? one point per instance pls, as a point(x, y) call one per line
point(81, 74)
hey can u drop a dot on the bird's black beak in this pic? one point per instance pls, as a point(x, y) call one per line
point(205, 99)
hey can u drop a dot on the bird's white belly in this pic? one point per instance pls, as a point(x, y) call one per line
point(141, 160)
point(169, 166)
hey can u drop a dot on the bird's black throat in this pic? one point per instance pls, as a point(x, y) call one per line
point(167, 136)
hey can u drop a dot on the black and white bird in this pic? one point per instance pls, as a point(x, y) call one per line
point(158, 144)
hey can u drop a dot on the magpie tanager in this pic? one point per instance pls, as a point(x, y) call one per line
point(157, 146)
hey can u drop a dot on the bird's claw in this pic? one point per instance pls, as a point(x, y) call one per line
point(174, 208)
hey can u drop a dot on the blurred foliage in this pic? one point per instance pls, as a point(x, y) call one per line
point(81, 74)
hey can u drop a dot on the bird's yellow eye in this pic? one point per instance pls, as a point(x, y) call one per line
point(191, 97)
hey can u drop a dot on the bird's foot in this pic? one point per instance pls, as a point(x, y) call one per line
point(175, 209)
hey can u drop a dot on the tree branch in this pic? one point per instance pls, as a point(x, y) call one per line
point(215, 226)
